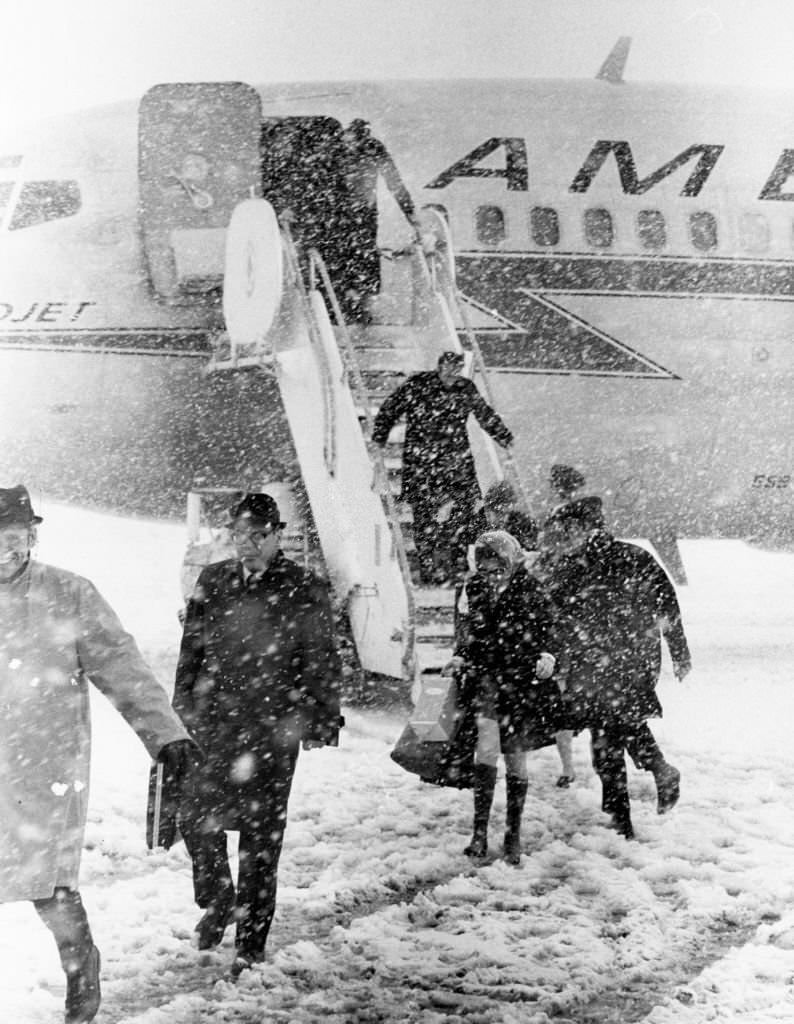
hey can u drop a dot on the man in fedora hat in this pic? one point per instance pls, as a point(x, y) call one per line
point(56, 634)
point(258, 675)
point(439, 480)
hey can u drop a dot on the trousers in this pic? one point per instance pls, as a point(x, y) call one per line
point(261, 838)
point(65, 916)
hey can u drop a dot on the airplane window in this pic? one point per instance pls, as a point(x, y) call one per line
point(703, 230)
point(598, 228)
point(490, 221)
point(754, 232)
point(651, 229)
point(40, 201)
point(544, 225)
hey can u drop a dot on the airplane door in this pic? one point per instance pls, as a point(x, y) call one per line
point(303, 171)
point(198, 156)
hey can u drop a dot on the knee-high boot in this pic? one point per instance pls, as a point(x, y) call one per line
point(65, 916)
point(516, 795)
point(484, 784)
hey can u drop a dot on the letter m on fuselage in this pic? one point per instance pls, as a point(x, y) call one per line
point(635, 186)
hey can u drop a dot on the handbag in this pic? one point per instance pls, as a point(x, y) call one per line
point(439, 739)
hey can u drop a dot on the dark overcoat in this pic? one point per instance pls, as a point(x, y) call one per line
point(612, 605)
point(364, 161)
point(500, 642)
point(258, 671)
point(437, 460)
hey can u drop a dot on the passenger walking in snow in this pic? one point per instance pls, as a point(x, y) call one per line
point(365, 159)
point(503, 513)
point(258, 675)
point(57, 634)
point(504, 664)
point(613, 604)
point(438, 476)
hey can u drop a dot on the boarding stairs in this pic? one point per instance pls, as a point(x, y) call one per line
point(285, 318)
point(205, 230)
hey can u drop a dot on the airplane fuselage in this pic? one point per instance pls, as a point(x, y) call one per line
point(627, 253)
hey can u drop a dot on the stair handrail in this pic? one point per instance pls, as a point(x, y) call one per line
point(355, 381)
point(450, 292)
point(293, 262)
point(318, 268)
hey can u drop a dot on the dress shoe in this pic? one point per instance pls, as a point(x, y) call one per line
point(212, 925)
point(83, 995)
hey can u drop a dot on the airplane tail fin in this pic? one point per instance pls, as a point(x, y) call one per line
point(613, 67)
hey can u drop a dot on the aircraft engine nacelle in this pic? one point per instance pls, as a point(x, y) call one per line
point(198, 157)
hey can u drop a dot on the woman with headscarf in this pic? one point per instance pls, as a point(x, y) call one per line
point(503, 661)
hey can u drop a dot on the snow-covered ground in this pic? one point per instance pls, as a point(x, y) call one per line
point(381, 917)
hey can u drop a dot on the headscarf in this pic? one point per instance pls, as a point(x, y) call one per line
point(501, 545)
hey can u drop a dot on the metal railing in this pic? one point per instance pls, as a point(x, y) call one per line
point(355, 381)
point(447, 287)
point(329, 404)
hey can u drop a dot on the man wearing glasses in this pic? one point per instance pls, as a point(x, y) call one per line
point(258, 675)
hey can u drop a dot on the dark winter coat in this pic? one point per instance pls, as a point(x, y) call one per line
point(612, 604)
point(57, 634)
point(500, 642)
point(364, 161)
point(437, 460)
point(258, 671)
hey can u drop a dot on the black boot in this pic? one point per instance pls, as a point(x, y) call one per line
point(213, 923)
point(516, 795)
point(615, 802)
point(484, 783)
point(65, 916)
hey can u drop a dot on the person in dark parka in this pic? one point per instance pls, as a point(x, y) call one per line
point(438, 475)
point(504, 662)
point(613, 603)
point(258, 673)
point(504, 513)
point(365, 160)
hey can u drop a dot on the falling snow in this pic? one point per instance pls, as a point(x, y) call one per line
point(381, 917)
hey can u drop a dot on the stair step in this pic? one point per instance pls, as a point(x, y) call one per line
point(385, 360)
point(436, 631)
point(387, 335)
point(435, 615)
point(430, 657)
point(381, 383)
point(434, 597)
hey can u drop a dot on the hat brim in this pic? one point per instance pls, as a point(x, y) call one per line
point(16, 521)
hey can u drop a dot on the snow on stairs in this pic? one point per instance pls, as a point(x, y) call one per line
point(385, 356)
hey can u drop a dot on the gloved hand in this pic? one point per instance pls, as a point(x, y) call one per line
point(682, 669)
point(175, 758)
point(454, 665)
point(544, 666)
